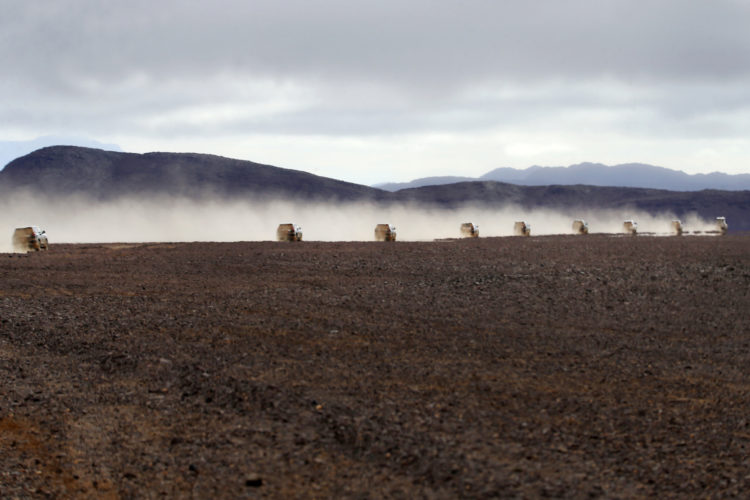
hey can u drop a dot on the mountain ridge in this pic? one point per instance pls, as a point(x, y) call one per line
point(10, 150)
point(69, 170)
point(595, 174)
point(104, 175)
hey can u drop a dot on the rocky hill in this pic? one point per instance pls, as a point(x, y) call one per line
point(71, 170)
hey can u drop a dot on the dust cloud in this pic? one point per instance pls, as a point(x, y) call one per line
point(78, 220)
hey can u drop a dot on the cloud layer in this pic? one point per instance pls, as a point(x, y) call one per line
point(387, 90)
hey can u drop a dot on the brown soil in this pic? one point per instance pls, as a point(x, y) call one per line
point(558, 366)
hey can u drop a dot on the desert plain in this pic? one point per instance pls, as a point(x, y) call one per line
point(559, 366)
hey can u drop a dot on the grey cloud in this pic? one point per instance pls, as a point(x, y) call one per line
point(170, 109)
point(447, 42)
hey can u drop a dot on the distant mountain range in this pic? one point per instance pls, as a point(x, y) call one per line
point(595, 174)
point(61, 171)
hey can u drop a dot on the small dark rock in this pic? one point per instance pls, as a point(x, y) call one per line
point(253, 481)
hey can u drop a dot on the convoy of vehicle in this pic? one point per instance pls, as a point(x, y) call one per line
point(32, 238)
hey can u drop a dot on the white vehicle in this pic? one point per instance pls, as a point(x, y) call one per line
point(522, 228)
point(289, 232)
point(469, 230)
point(580, 226)
point(29, 238)
point(677, 227)
point(385, 232)
point(630, 227)
point(721, 225)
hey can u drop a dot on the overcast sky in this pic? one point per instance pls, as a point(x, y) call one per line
point(387, 90)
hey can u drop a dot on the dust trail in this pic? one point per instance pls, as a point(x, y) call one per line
point(78, 220)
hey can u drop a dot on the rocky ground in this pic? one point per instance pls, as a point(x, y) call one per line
point(514, 367)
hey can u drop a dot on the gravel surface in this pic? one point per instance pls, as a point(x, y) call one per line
point(566, 366)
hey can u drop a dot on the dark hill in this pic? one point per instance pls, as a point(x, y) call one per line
point(735, 205)
point(71, 170)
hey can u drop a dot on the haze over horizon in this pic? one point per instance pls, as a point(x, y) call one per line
point(387, 92)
